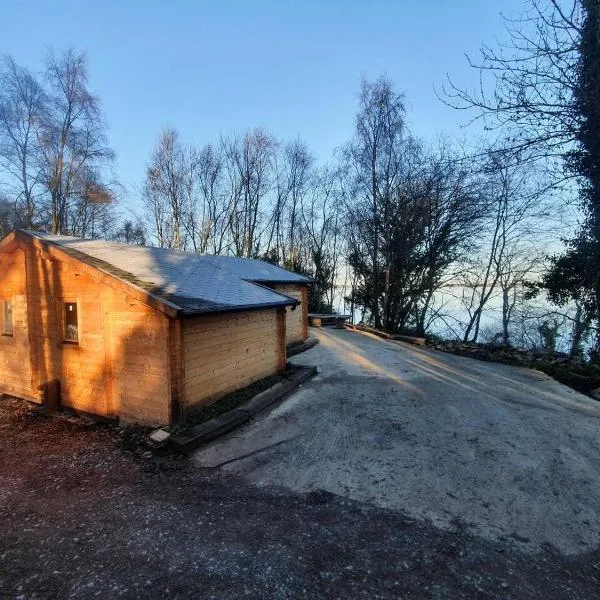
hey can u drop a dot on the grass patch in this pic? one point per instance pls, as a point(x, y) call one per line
point(229, 402)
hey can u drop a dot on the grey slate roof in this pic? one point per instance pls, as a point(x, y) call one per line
point(192, 283)
point(251, 269)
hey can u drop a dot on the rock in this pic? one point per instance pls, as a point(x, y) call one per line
point(159, 436)
point(147, 454)
point(595, 393)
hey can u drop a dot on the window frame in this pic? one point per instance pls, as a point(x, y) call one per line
point(64, 302)
point(6, 333)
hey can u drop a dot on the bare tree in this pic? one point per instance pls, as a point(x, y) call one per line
point(451, 211)
point(373, 169)
point(72, 140)
point(22, 108)
point(542, 89)
point(92, 214)
point(293, 178)
point(322, 235)
point(169, 189)
point(209, 211)
point(131, 233)
point(527, 85)
point(249, 169)
point(520, 265)
point(515, 207)
point(429, 220)
point(8, 217)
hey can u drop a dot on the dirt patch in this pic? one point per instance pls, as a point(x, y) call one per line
point(74, 451)
point(82, 516)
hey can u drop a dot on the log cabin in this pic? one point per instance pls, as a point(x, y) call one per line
point(139, 334)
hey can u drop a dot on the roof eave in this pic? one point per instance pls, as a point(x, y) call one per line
point(306, 281)
point(235, 309)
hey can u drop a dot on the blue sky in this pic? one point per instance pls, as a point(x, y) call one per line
point(292, 67)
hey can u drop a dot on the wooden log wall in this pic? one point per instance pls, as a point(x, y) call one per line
point(120, 365)
point(296, 319)
point(223, 353)
point(15, 363)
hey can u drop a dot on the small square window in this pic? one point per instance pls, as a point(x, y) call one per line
point(7, 318)
point(71, 332)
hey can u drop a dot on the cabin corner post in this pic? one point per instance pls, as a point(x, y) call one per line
point(176, 369)
point(305, 311)
point(34, 358)
point(281, 316)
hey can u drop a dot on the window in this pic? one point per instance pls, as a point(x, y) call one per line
point(7, 318)
point(71, 332)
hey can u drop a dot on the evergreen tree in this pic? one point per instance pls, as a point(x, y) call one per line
point(575, 275)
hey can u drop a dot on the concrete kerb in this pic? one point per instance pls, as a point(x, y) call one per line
point(195, 436)
point(307, 345)
point(264, 399)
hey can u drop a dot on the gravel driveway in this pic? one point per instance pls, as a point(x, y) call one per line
point(398, 434)
point(506, 453)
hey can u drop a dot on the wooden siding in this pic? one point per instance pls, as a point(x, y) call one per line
point(120, 367)
point(177, 368)
point(296, 321)
point(139, 347)
point(15, 363)
point(223, 353)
